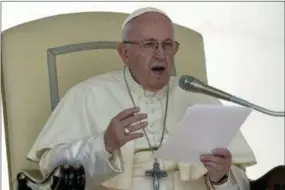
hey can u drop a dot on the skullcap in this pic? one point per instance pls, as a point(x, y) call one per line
point(140, 12)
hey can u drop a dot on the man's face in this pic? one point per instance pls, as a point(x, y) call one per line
point(149, 63)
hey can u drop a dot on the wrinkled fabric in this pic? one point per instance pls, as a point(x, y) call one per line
point(74, 133)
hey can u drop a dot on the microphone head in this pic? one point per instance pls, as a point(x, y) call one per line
point(188, 83)
point(192, 84)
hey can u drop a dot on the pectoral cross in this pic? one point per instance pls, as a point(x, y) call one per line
point(156, 174)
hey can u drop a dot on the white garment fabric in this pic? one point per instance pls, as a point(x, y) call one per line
point(74, 135)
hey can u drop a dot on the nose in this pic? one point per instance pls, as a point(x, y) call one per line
point(159, 53)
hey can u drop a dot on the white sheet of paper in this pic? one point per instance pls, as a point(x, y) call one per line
point(203, 128)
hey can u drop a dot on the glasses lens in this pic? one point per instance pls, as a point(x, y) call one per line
point(169, 47)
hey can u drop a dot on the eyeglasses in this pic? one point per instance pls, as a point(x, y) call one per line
point(150, 46)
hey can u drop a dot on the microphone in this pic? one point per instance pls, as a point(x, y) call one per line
point(191, 84)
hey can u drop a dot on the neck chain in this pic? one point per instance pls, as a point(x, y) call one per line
point(165, 114)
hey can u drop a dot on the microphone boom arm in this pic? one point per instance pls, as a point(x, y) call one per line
point(192, 84)
point(256, 107)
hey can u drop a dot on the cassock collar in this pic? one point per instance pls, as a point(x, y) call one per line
point(138, 89)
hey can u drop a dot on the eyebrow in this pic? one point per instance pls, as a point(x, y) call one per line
point(150, 39)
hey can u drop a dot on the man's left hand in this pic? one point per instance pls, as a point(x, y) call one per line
point(218, 163)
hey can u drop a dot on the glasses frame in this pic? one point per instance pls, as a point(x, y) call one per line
point(144, 42)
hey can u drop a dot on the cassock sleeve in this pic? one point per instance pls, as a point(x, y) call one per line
point(99, 165)
point(70, 136)
point(237, 180)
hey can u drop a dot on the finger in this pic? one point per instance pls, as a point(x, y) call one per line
point(126, 113)
point(214, 166)
point(214, 159)
point(133, 119)
point(206, 155)
point(133, 136)
point(222, 152)
point(138, 126)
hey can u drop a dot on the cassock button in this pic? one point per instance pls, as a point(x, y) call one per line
point(152, 110)
point(150, 101)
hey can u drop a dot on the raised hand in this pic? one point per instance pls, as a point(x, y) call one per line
point(218, 163)
point(115, 136)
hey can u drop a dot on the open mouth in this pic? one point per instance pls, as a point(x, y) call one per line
point(158, 70)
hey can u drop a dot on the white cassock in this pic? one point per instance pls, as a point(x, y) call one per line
point(76, 127)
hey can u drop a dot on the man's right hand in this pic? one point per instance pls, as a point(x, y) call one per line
point(115, 137)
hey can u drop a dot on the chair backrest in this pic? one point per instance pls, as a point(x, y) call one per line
point(42, 59)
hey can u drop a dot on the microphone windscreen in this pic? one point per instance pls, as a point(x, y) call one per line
point(185, 82)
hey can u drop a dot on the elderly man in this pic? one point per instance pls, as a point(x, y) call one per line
point(111, 124)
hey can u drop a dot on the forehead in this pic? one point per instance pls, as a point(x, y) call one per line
point(152, 26)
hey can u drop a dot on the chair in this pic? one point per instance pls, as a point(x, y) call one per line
point(42, 59)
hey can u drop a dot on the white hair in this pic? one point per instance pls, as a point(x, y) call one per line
point(125, 32)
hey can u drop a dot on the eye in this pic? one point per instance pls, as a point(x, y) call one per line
point(168, 45)
point(150, 45)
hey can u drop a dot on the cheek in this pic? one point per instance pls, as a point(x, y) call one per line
point(145, 62)
point(170, 61)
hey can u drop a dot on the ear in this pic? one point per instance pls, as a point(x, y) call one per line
point(123, 52)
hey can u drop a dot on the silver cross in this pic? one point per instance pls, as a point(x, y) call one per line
point(156, 174)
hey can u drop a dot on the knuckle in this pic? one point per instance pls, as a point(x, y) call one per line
point(114, 120)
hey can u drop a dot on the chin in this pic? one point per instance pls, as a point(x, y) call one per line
point(161, 84)
point(158, 81)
